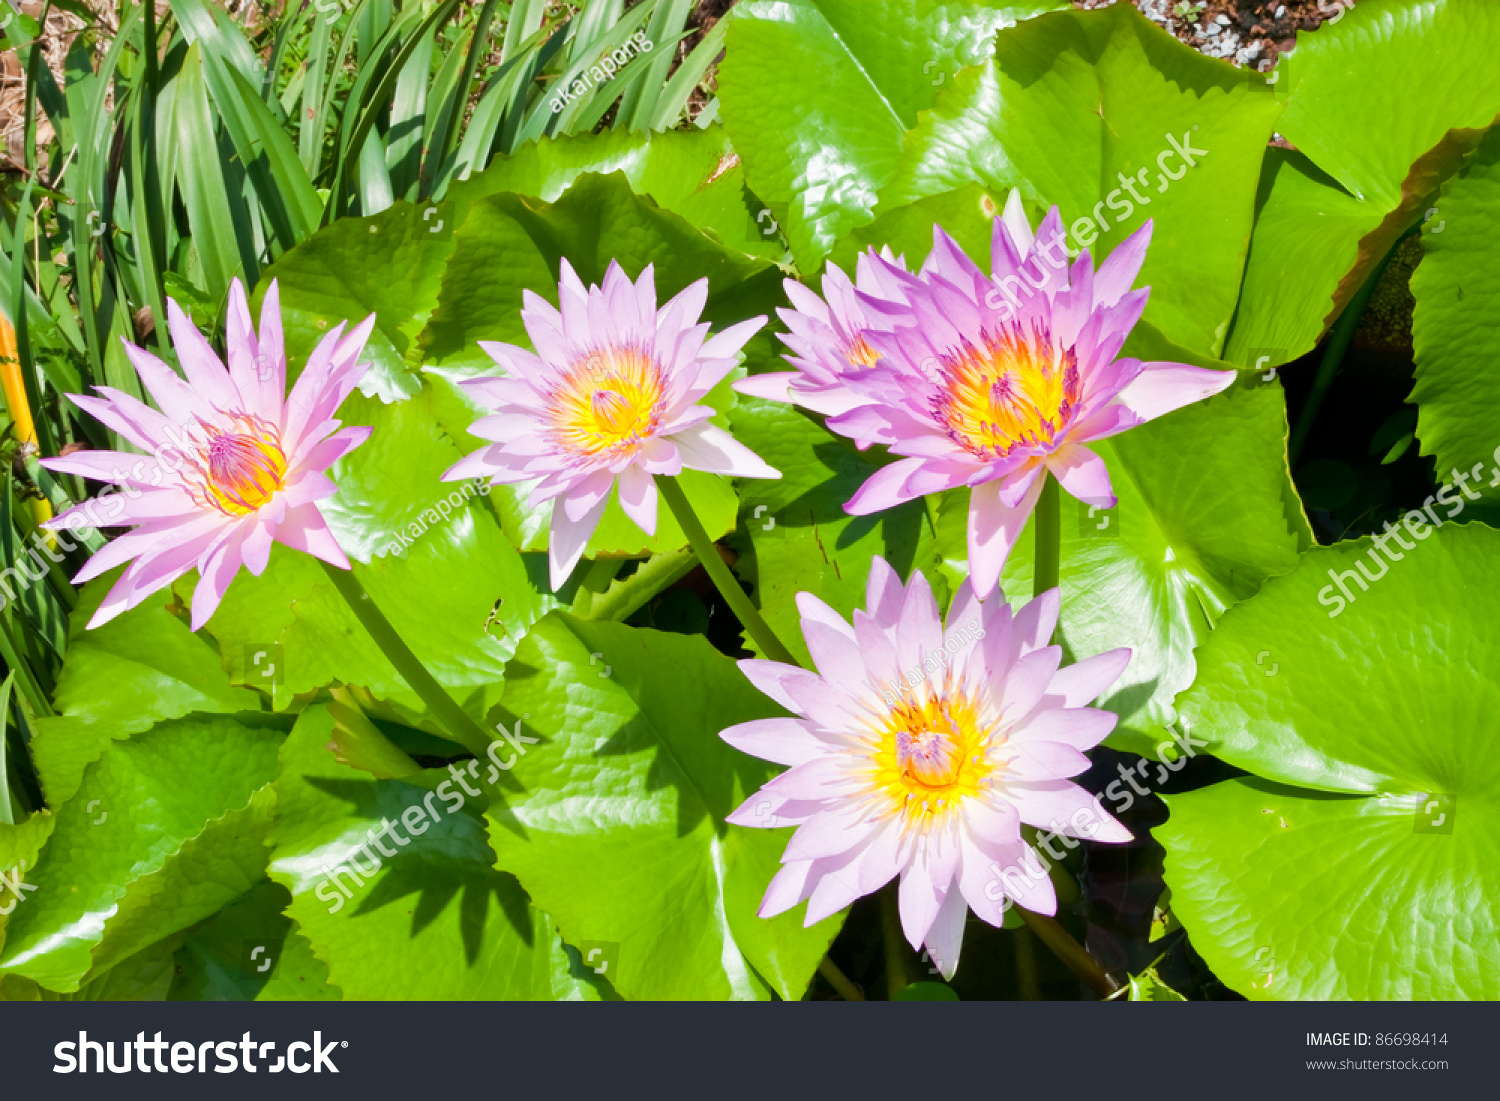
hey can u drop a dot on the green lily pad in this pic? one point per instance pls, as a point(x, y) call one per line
point(1369, 724)
point(818, 95)
point(694, 173)
point(614, 821)
point(389, 265)
point(1305, 261)
point(170, 822)
point(219, 961)
point(448, 926)
point(1457, 288)
point(441, 595)
point(154, 666)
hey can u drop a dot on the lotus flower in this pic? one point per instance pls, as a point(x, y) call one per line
point(992, 381)
point(919, 750)
point(610, 397)
point(233, 463)
point(829, 339)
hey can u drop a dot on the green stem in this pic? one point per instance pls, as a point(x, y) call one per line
point(1073, 954)
point(896, 978)
point(1047, 518)
point(1025, 947)
point(839, 981)
point(434, 695)
point(1333, 356)
point(728, 586)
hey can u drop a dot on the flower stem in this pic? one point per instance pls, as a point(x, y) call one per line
point(896, 978)
point(1047, 518)
point(468, 732)
point(1065, 948)
point(1048, 565)
point(1025, 949)
point(723, 579)
point(839, 981)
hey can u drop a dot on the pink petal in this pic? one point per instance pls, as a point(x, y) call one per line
point(638, 497)
point(271, 352)
point(771, 386)
point(1037, 621)
point(883, 592)
point(568, 539)
point(783, 741)
point(1083, 682)
point(1054, 805)
point(205, 373)
point(1027, 681)
point(885, 489)
point(727, 344)
point(811, 607)
point(1083, 474)
point(920, 898)
point(832, 832)
point(1117, 273)
point(1163, 387)
point(304, 529)
point(787, 888)
point(1037, 760)
point(946, 935)
point(993, 531)
point(771, 678)
point(709, 448)
point(1013, 221)
point(1080, 727)
point(215, 575)
point(836, 655)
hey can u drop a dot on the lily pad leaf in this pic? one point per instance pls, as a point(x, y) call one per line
point(164, 830)
point(1457, 288)
point(1370, 813)
point(404, 865)
point(615, 820)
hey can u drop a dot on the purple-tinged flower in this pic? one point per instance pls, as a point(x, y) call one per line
point(609, 397)
point(993, 380)
point(829, 339)
point(233, 462)
point(919, 750)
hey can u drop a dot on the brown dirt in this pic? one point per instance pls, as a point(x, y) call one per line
point(1242, 32)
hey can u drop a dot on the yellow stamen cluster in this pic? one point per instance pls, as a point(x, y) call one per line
point(860, 354)
point(932, 752)
point(1014, 390)
point(237, 469)
point(610, 401)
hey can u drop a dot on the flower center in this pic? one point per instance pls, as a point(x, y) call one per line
point(931, 753)
point(238, 471)
point(860, 354)
point(609, 402)
point(927, 757)
point(1012, 391)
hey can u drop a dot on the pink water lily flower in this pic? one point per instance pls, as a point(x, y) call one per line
point(829, 339)
point(232, 461)
point(610, 397)
point(992, 380)
point(919, 750)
